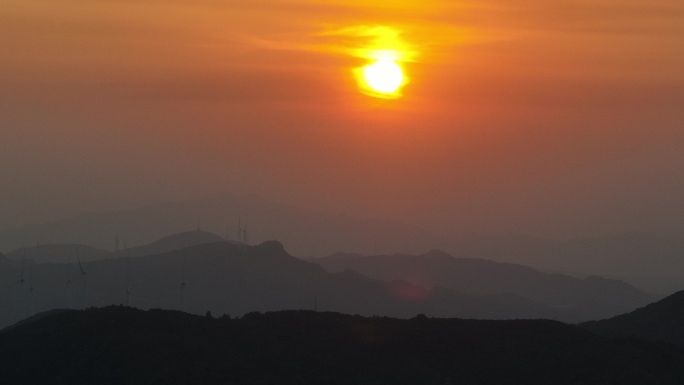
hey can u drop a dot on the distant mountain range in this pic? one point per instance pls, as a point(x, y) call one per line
point(59, 253)
point(228, 277)
point(121, 345)
point(304, 232)
point(224, 277)
point(172, 243)
point(590, 298)
point(67, 253)
point(652, 264)
point(660, 321)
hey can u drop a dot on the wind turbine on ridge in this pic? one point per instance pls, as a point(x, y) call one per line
point(242, 232)
point(82, 282)
point(32, 297)
point(68, 285)
point(20, 282)
point(183, 288)
point(31, 291)
point(21, 279)
point(129, 293)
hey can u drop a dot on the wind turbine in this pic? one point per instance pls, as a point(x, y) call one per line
point(245, 239)
point(239, 230)
point(20, 282)
point(31, 290)
point(128, 277)
point(21, 279)
point(68, 285)
point(82, 282)
point(183, 285)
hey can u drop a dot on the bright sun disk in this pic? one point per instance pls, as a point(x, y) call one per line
point(384, 76)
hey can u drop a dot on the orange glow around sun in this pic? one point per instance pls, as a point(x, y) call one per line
point(384, 52)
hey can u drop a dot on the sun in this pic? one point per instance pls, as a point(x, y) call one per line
point(384, 77)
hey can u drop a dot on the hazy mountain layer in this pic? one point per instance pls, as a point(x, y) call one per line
point(67, 253)
point(593, 297)
point(652, 264)
point(59, 253)
point(173, 242)
point(304, 232)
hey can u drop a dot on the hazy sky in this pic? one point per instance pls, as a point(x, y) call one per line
point(557, 118)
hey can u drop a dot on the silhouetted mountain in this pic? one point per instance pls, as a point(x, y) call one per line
point(590, 298)
point(174, 242)
point(59, 253)
point(118, 345)
point(660, 321)
point(227, 278)
point(34, 318)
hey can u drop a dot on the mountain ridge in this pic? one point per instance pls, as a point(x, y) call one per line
point(604, 297)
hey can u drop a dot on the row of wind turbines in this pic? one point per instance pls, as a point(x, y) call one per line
point(26, 286)
point(24, 289)
point(27, 292)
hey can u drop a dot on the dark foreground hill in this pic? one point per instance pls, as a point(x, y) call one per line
point(660, 321)
point(120, 345)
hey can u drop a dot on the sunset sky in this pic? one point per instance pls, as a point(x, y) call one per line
point(553, 118)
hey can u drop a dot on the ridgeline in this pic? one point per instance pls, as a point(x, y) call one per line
point(122, 345)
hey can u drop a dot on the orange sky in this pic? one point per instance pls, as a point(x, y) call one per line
point(555, 118)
